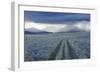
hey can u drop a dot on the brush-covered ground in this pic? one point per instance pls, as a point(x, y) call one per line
point(57, 46)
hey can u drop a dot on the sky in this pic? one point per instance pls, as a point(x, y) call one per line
point(54, 17)
point(56, 21)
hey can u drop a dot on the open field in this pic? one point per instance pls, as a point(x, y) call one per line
point(57, 46)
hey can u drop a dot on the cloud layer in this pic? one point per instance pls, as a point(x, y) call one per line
point(77, 26)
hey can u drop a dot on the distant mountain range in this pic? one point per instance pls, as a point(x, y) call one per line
point(35, 31)
point(38, 28)
point(28, 32)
